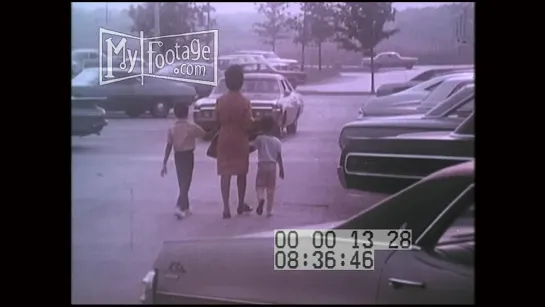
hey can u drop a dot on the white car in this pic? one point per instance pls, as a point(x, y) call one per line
point(429, 94)
point(272, 58)
point(389, 60)
point(270, 94)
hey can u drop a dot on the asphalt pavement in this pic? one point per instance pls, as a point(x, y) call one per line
point(122, 210)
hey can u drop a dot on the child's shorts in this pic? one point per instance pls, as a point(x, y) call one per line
point(266, 175)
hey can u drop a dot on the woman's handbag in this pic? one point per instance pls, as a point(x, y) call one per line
point(212, 150)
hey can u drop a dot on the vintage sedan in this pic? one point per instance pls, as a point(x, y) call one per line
point(270, 94)
point(437, 269)
point(87, 117)
point(157, 96)
point(392, 88)
point(272, 58)
point(411, 101)
point(444, 117)
point(392, 163)
point(389, 60)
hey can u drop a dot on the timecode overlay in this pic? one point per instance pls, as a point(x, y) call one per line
point(342, 249)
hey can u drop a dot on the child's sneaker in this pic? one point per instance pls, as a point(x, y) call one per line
point(269, 214)
point(259, 209)
point(187, 212)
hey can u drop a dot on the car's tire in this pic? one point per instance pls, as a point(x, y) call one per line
point(134, 112)
point(409, 66)
point(160, 109)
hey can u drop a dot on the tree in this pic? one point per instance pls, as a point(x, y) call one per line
point(299, 24)
point(274, 26)
point(360, 27)
point(322, 27)
point(176, 18)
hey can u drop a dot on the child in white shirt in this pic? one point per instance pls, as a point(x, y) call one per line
point(269, 153)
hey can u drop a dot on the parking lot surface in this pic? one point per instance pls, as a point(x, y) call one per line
point(122, 210)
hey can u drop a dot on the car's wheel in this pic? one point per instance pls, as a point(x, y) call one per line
point(160, 109)
point(134, 112)
point(409, 66)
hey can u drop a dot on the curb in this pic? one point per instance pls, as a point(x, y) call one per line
point(350, 93)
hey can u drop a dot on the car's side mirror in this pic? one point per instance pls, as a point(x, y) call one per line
point(294, 86)
point(286, 93)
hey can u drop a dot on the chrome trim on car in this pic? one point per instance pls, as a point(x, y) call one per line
point(356, 154)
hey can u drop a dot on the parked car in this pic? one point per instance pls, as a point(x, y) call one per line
point(444, 117)
point(157, 96)
point(389, 60)
point(270, 94)
point(438, 269)
point(82, 55)
point(390, 164)
point(203, 71)
point(392, 88)
point(429, 93)
point(87, 117)
point(272, 58)
point(296, 78)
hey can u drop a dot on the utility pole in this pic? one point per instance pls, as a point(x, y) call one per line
point(156, 19)
point(106, 13)
point(208, 16)
point(305, 36)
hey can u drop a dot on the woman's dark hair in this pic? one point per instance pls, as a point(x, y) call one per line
point(181, 110)
point(234, 77)
point(267, 124)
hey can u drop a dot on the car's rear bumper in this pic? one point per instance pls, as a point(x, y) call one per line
point(87, 126)
point(207, 119)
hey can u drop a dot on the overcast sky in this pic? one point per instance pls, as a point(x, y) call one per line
point(233, 7)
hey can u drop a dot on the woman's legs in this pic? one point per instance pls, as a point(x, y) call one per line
point(225, 183)
point(241, 188)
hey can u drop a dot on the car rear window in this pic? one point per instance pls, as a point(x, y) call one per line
point(262, 86)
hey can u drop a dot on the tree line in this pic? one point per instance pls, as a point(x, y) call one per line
point(352, 26)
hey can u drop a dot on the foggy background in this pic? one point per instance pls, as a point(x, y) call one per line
point(427, 31)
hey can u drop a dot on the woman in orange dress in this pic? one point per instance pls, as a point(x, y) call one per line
point(234, 114)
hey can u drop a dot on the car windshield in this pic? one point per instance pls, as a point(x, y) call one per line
point(251, 86)
point(87, 76)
